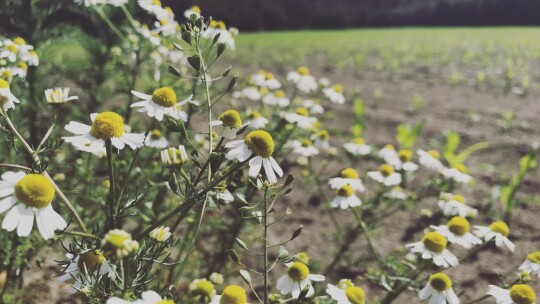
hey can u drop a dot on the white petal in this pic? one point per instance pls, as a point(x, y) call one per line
point(12, 218)
point(269, 171)
point(7, 203)
point(255, 166)
point(26, 222)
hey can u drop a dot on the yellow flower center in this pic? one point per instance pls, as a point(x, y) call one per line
point(458, 225)
point(12, 48)
point(254, 114)
point(349, 173)
point(355, 295)
point(264, 91)
point(500, 227)
point(35, 190)
point(165, 301)
point(306, 143)
point(90, 261)
point(156, 2)
point(458, 198)
point(260, 143)
point(196, 9)
point(434, 241)
point(233, 294)
point(156, 134)
point(359, 141)
point(231, 119)
point(204, 288)
point(6, 74)
point(461, 168)
point(4, 84)
point(279, 94)
point(345, 191)
point(338, 88)
point(390, 147)
point(302, 112)
point(405, 156)
point(298, 271)
point(164, 97)
point(535, 257)
point(302, 257)
point(386, 170)
point(107, 125)
point(344, 283)
point(323, 135)
point(303, 71)
point(22, 65)
point(268, 76)
point(440, 281)
point(522, 294)
point(118, 243)
point(434, 154)
point(19, 41)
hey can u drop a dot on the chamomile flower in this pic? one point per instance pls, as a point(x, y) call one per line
point(156, 140)
point(231, 123)
point(173, 157)
point(151, 6)
point(439, 290)
point(458, 174)
point(388, 152)
point(58, 95)
point(301, 118)
point(397, 193)
point(84, 267)
point(296, 279)
point(218, 27)
point(347, 176)
point(517, 294)
point(118, 244)
point(162, 102)
point(256, 120)
point(303, 80)
point(216, 278)
point(532, 264)
point(29, 197)
point(430, 160)
point(147, 297)
point(7, 99)
point(251, 93)
point(386, 175)
point(303, 147)
point(232, 294)
point(161, 234)
point(403, 161)
point(314, 106)
point(454, 204)
point(433, 246)
point(458, 231)
point(265, 79)
point(260, 145)
point(276, 98)
point(117, 3)
point(350, 294)
point(194, 10)
point(224, 195)
point(357, 147)
point(345, 198)
point(105, 126)
point(321, 139)
point(335, 94)
point(498, 231)
point(202, 288)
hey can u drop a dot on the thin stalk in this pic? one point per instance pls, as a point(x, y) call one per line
point(265, 254)
point(363, 225)
point(109, 23)
point(81, 234)
point(112, 184)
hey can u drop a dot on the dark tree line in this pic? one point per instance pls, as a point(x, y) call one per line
point(254, 15)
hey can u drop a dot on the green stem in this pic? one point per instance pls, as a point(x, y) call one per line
point(265, 254)
point(112, 184)
point(82, 234)
point(372, 249)
point(109, 23)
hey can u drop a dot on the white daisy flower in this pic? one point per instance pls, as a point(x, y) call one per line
point(297, 279)
point(29, 197)
point(345, 198)
point(203, 289)
point(518, 294)
point(386, 175)
point(117, 3)
point(173, 157)
point(265, 79)
point(457, 231)
point(303, 147)
point(147, 297)
point(498, 231)
point(276, 98)
point(88, 262)
point(7, 99)
point(32, 58)
point(397, 193)
point(194, 10)
point(430, 160)
point(455, 205)
point(156, 140)
point(335, 94)
point(321, 140)
point(388, 153)
point(166, 25)
point(105, 126)
point(301, 118)
point(532, 264)
point(357, 147)
point(314, 106)
point(256, 121)
point(162, 102)
point(403, 161)
point(224, 195)
point(10, 50)
point(151, 6)
point(260, 145)
point(439, 290)
point(251, 93)
point(225, 36)
point(348, 176)
point(458, 174)
point(58, 96)
point(303, 80)
point(161, 234)
point(118, 244)
point(232, 294)
point(231, 123)
point(348, 295)
point(433, 246)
